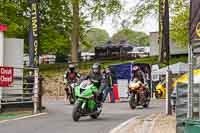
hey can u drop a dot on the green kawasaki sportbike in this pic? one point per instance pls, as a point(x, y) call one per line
point(88, 101)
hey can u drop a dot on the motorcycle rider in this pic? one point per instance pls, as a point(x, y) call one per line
point(89, 95)
point(139, 74)
point(96, 77)
point(139, 78)
point(70, 76)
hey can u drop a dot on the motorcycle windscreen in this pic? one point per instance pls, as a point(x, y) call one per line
point(88, 91)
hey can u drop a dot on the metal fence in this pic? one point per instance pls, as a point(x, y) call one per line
point(24, 89)
point(182, 105)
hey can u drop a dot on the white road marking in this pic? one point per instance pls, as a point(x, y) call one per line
point(25, 117)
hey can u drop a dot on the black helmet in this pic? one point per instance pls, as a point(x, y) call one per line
point(71, 67)
point(96, 68)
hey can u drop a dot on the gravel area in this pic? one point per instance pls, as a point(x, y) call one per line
point(155, 123)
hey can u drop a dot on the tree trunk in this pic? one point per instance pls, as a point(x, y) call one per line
point(161, 14)
point(164, 32)
point(75, 31)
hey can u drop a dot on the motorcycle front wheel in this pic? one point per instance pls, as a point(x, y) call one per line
point(76, 113)
point(158, 95)
point(71, 99)
point(146, 104)
point(132, 101)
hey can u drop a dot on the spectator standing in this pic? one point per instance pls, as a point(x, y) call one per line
point(108, 83)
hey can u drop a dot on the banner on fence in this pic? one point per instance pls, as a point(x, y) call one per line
point(195, 21)
point(6, 76)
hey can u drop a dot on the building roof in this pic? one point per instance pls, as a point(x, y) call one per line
point(121, 44)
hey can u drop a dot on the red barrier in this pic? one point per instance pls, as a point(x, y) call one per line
point(3, 27)
point(116, 93)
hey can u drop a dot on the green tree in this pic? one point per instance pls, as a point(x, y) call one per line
point(55, 27)
point(151, 7)
point(14, 14)
point(95, 37)
point(97, 9)
point(179, 30)
point(63, 22)
point(176, 7)
point(54, 37)
point(56, 24)
point(131, 36)
point(179, 20)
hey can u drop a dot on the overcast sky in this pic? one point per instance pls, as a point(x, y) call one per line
point(111, 25)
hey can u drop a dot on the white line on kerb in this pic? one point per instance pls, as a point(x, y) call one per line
point(123, 125)
point(25, 117)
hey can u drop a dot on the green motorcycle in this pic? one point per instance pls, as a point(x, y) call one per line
point(88, 101)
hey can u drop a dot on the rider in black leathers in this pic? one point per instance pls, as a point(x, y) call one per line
point(71, 76)
point(96, 77)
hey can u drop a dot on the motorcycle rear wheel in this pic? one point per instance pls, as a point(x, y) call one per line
point(71, 99)
point(95, 116)
point(146, 105)
point(146, 100)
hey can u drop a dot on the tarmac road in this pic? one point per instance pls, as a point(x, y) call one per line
point(59, 119)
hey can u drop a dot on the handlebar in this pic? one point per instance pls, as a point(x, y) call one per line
point(94, 81)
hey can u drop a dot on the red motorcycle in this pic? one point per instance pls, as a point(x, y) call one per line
point(70, 94)
point(138, 95)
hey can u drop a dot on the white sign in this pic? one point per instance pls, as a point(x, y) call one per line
point(122, 88)
point(154, 68)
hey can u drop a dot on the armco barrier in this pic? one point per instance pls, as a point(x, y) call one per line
point(182, 105)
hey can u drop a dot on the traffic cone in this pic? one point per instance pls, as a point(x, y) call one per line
point(116, 93)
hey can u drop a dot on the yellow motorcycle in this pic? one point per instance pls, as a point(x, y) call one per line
point(161, 87)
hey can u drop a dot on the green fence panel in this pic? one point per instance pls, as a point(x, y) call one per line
point(192, 126)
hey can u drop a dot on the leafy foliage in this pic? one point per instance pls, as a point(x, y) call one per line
point(138, 38)
point(179, 10)
point(98, 9)
point(14, 14)
point(55, 27)
point(56, 24)
point(95, 9)
point(143, 9)
point(95, 37)
point(179, 30)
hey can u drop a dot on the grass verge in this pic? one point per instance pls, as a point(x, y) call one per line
point(50, 70)
point(14, 115)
